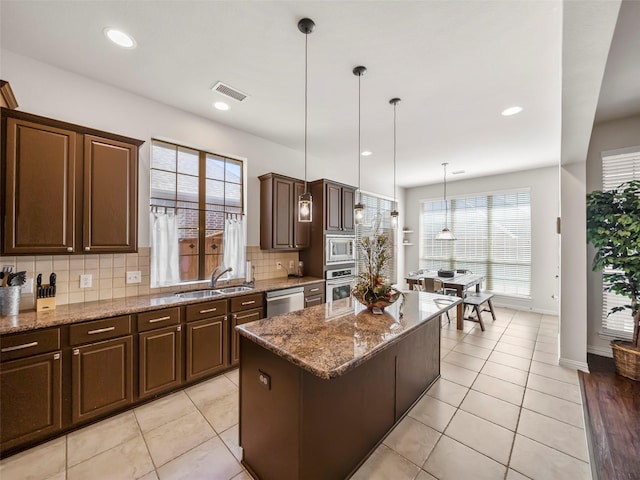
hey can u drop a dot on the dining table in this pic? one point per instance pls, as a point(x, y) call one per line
point(460, 282)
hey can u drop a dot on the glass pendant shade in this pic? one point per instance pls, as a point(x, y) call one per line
point(358, 213)
point(305, 208)
point(394, 219)
point(445, 234)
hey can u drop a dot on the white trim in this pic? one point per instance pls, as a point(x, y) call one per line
point(522, 308)
point(574, 365)
point(598, 350)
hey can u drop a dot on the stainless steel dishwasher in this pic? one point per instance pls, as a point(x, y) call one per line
point(284, 301)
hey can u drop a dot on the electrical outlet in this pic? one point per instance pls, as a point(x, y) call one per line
point(290, 264)
point(264, 379)
point(279, 265)
point(134, 277)
point(85, 281)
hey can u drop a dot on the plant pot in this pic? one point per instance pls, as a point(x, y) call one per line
point(627, 359)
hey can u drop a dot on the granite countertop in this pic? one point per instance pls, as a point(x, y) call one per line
point(330, 339)
point(78, 312)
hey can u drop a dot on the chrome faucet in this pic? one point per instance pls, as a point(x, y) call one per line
point(214, 277)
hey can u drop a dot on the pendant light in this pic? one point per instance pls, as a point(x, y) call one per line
point(358, 208)
point(394, 212)
point(305, 205)
point(445, 234)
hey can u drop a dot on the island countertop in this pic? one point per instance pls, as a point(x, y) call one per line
point(331, 339)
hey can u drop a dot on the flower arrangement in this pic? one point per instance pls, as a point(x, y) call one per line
point(370, 288)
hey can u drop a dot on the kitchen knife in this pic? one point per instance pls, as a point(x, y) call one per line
point(39, 286)
point(52, 283)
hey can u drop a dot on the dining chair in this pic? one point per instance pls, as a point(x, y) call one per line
point(433, 285)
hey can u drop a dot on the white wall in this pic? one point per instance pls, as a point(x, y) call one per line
point(59, 94)
point(613, 135)
point(543, 184)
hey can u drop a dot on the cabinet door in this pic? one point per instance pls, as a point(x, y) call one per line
point(40, 188)
point(315, 300)
point(159, 360)
point(240, 319)
point(110, 195)
point(333, 207)
point(282, 213)
point(301, 229)
point(30, 398)
point(207, 342)
point(97, 390)
point(348, 202)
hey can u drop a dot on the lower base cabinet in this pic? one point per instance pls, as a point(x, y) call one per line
point(206, 352)
point(30, 398)
point(96, 389)
point(159, 361)
point(240, 319)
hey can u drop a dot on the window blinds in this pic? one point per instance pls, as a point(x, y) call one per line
point(618, 168)
point(493, 239)
point(377, 214)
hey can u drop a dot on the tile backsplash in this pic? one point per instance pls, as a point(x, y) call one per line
point(108, 272)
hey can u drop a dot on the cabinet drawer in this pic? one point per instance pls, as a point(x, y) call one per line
point(26, 344)
point(246, 302)
point(314, 289)
point(313, 300)
point(241, 318)
point(98, 330)
point(206, 310)
point(158, 319)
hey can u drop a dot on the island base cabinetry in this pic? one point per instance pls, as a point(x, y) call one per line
point(325, 429)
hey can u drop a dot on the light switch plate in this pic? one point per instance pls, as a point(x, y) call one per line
point(85, 280)
point(134, 277)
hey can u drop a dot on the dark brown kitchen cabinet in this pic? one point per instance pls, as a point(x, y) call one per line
point(69, 189)
point(244, 309)
point(279, 225)
point(314, 294)
point(101, 371)
point(110, 195)
point(207, 339)
point(339, 201)
point(159, 352)
point(30, 387)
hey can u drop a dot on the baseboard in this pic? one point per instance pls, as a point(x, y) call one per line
point(582, 366)
point(602, 351)
point(522, 308)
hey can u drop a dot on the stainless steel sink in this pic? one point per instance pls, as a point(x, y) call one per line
point(239, 288)
point(200, 293)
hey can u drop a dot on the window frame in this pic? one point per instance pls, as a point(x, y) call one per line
point(203, 207)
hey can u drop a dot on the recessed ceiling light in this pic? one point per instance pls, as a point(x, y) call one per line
point(366, 153)
point(119, 38)
point(221, 106)
point(507, 112)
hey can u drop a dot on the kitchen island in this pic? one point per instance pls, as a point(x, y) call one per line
point(321, 387)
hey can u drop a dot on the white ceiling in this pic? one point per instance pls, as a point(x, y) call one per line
point(454, 64)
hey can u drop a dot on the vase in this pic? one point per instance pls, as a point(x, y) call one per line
point(380, 302)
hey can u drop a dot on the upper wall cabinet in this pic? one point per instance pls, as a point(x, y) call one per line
point(69, 189)
point(279, 225)
point(334, 201)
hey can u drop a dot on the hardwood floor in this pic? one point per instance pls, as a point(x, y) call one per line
point(613, 411)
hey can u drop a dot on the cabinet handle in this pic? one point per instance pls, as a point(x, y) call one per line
point(76, 351)
point(179, 328)
point(234, 316)
point(314, 289)
point(19, 347)
point(56, 356)
point(245, 316)
point(86, 249)
point(161, 319)
point(69, 249)
point(248, 303)
point(101, 330)
point(209, 310)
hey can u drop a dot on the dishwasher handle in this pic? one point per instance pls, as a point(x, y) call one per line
point(283, 293)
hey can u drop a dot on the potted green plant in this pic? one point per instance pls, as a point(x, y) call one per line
point(613, 227)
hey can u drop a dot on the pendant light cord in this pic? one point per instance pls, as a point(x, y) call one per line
point(359, 101)
point(394, 155)
point(446, 205)
point(306, 43)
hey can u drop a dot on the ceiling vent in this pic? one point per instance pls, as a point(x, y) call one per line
point(229, 91)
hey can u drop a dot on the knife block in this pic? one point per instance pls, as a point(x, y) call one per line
point(44, 304)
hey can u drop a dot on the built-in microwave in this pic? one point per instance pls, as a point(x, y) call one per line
point(340, 249)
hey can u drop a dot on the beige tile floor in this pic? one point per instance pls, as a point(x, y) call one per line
point(503, 409)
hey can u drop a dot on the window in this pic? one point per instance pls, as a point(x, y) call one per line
point(377, 219)
point(493, 239)
point(202, 188)
point(618, 167)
